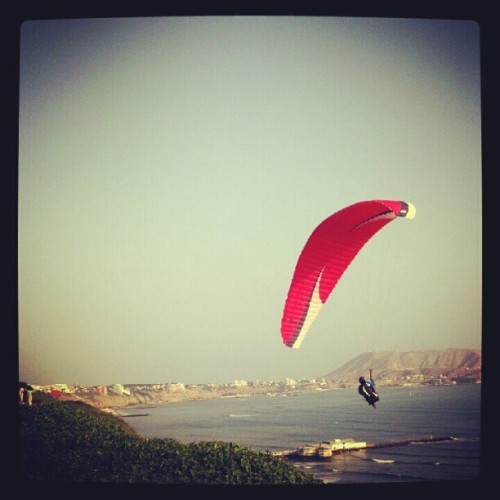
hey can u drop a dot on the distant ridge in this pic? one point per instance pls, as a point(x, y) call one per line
point(390, 365)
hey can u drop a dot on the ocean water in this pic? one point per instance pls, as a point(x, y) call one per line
point(288, 422)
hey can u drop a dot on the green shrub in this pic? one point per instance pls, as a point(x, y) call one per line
point(72, 441)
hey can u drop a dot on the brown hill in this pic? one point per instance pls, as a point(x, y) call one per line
point(392, 365)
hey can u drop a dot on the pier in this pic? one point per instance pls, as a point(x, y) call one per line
point(327, 449)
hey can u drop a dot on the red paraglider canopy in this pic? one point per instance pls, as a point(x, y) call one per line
point(328, 252)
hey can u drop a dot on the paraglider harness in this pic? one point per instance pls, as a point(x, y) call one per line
point(368, 393)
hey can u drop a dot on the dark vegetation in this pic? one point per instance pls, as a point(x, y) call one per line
point(73, 441)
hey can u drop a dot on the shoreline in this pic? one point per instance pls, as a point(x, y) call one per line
point(118, 410)
point(119, 404)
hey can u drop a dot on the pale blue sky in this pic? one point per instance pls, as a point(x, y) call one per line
point(171, 170)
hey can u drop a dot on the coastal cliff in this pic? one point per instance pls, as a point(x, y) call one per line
point(393, 365)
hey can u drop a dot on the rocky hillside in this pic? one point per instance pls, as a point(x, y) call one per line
point(451, 363)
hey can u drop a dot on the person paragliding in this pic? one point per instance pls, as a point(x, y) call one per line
point(367, 390)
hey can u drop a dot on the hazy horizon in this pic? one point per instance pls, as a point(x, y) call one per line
point(377, 371)
point(171, 170)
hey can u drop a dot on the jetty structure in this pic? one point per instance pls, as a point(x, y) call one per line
point(327, 449)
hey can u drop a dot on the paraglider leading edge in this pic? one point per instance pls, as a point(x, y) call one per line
point(328, 252)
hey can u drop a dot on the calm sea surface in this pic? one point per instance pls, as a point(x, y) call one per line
point(287, 422)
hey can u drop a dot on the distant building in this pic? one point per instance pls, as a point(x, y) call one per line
point(120, 389)
point(175, 387)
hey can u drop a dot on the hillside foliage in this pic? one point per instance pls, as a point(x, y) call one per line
point(72, 441)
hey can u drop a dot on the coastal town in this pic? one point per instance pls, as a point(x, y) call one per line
point(422, 367)
point(132, 395)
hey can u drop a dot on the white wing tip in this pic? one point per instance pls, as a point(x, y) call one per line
point(411, 211)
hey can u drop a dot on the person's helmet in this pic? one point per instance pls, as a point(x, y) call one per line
point(362, 380)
